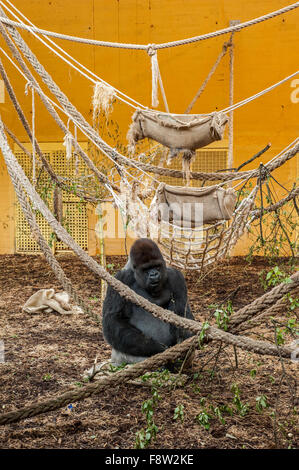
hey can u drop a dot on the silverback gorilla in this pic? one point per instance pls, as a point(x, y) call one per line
point(134, 333)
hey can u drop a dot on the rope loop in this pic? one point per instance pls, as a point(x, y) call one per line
point(151, 49)
point(28, 86)
point(226, 45)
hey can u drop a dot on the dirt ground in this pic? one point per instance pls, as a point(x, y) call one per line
point(46, 354)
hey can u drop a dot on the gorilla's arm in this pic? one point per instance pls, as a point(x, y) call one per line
point(118, 332)
point(178, 288)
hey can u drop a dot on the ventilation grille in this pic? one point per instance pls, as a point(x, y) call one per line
point(75, 218)
point(208, 160)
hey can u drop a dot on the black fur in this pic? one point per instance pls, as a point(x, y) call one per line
point(129, 328)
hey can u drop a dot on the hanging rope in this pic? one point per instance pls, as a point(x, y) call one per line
point(235, 106)
point(165, 45)
point(68, 108)
point(155, 74)
point(224, 49)
point(101, 177)
point(125, 292)
point(27, 87)
point(230, 153)
point(94, 78)
point(229, 237)
point(157, 46)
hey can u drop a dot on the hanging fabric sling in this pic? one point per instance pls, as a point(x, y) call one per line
point(181, 132)
point(190, 207)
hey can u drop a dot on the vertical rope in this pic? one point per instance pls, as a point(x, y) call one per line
point(156, 78)
point(27, 87)
point(209, 76)
point(33, 139)
point(230, 158)
point(75, 153)
point(163, 91)
point(155, 73)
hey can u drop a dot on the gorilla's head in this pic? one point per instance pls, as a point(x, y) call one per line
point(148, 265)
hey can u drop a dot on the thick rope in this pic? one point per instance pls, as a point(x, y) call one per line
point(225, 176)
point(274, 207)
point(166, 45)
point(209, 76)
point(69, 109)
point(100, 176)
point(259, 347)
point(258, 319)
point(119, 378)
point(50, 258)
point(265, 301)
point(107, 150)
point(230, 153)
point(235, 106)
point(94, 78)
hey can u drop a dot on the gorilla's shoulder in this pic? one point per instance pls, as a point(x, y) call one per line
point(126, 276)
point(175, 277)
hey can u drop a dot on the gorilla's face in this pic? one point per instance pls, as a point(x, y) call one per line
point(151, 276)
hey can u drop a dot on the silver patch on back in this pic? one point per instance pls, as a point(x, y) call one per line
point(151, 326)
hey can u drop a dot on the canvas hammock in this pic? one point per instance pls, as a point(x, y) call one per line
point(186, 132)
point(188, 207)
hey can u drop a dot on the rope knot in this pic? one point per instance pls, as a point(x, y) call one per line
point(263, 172)
point(28, 86)
point(151, 49)
point(226, 45)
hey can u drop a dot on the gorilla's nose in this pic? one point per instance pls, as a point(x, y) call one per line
point(154, 276)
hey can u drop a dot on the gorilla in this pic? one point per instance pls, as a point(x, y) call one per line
point(134, 333)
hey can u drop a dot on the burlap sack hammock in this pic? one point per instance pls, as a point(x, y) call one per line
point(186, 132)
point(47, 301)
point(190, 207)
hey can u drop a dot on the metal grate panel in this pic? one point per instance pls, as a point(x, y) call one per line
point(75, 218)
point(207, 160)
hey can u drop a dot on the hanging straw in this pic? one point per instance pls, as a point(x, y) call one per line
point(103, 99)
point(68, 142)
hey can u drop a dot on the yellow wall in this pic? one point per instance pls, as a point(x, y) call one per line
point(264, 54)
